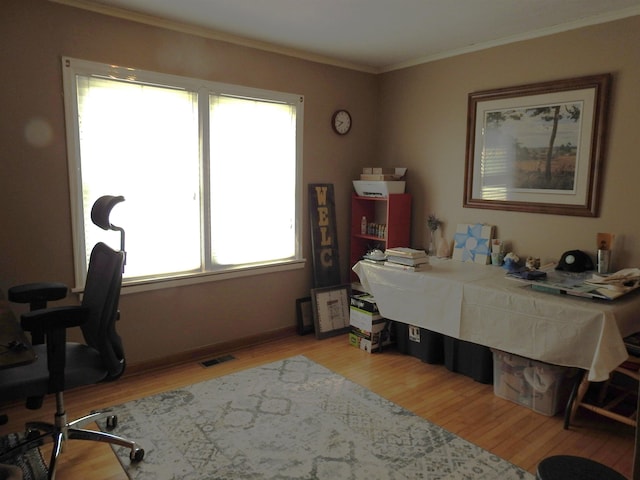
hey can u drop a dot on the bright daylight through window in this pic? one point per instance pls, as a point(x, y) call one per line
point(210, 172)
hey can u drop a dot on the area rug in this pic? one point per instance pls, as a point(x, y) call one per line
point(30, 464)
point(293, 419)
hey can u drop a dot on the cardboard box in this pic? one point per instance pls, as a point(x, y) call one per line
point(371, 341)
point(537, 385)
point(369, 330)
point(378, 176)
point(383, 173)
point(397, 171)
point(384, 170)
point(365, 320)
point(364, 302)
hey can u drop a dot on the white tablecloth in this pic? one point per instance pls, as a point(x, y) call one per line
point(477, 303)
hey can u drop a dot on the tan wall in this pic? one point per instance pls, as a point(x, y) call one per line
point(35, 242)
point(423, 126)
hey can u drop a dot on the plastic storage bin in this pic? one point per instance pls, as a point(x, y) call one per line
point(470, 359)
point(540, 386)
point(419, 342)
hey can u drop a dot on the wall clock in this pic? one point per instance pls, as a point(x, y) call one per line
point(341, 122)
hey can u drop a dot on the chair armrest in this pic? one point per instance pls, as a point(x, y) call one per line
point(54, 318)
point(37, 293)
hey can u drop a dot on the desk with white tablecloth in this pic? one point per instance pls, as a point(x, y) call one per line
point(478, 304)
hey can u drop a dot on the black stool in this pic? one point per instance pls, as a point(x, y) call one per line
point(568, 467)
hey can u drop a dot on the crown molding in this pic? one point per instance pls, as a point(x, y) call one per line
point(304, 55)
point(211, 34)
point(543, 32)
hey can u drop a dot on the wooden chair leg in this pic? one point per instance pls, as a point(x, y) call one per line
point(577, 394)
point(605, 404)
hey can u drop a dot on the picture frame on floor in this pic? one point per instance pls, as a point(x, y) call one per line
point(331, 307)
point(304, 316)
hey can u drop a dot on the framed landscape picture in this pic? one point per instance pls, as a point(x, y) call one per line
point(538, 148)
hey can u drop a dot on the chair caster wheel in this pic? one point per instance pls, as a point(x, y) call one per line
point(137, 454)
point(112, 422)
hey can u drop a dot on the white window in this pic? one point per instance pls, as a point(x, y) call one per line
point(210, 172)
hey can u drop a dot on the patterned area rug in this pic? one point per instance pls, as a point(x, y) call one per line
point(30, 465)
point(293, 419)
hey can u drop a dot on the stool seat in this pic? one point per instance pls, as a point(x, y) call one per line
point(568, 467)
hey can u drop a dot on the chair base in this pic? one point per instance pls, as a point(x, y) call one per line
point(40, 433)
point(568, 467)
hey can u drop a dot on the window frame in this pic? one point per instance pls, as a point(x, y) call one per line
point(72, 67)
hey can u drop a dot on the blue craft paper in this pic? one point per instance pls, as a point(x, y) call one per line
point(472, 243)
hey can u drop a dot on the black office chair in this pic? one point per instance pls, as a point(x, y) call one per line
point(63, 365)
point(37, 295)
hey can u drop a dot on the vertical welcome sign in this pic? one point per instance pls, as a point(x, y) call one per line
point(324, 237)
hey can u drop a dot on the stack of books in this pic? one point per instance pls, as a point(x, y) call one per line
point(406, 258)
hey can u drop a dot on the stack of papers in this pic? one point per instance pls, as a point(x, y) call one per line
point(590, 285)
point(406, 258)
point(616, 284)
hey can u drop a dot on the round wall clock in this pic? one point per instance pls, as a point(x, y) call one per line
point(341, 122)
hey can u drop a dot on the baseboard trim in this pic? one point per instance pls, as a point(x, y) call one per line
point(202, 353)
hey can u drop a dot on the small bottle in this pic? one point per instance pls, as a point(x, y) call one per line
point(363, 225)
point(604, 257)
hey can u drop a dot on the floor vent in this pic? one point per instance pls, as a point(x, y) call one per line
point(216, 361)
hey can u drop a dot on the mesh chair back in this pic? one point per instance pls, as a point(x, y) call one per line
point(101, 296)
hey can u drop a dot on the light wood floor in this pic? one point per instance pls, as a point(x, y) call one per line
point(455, 402)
